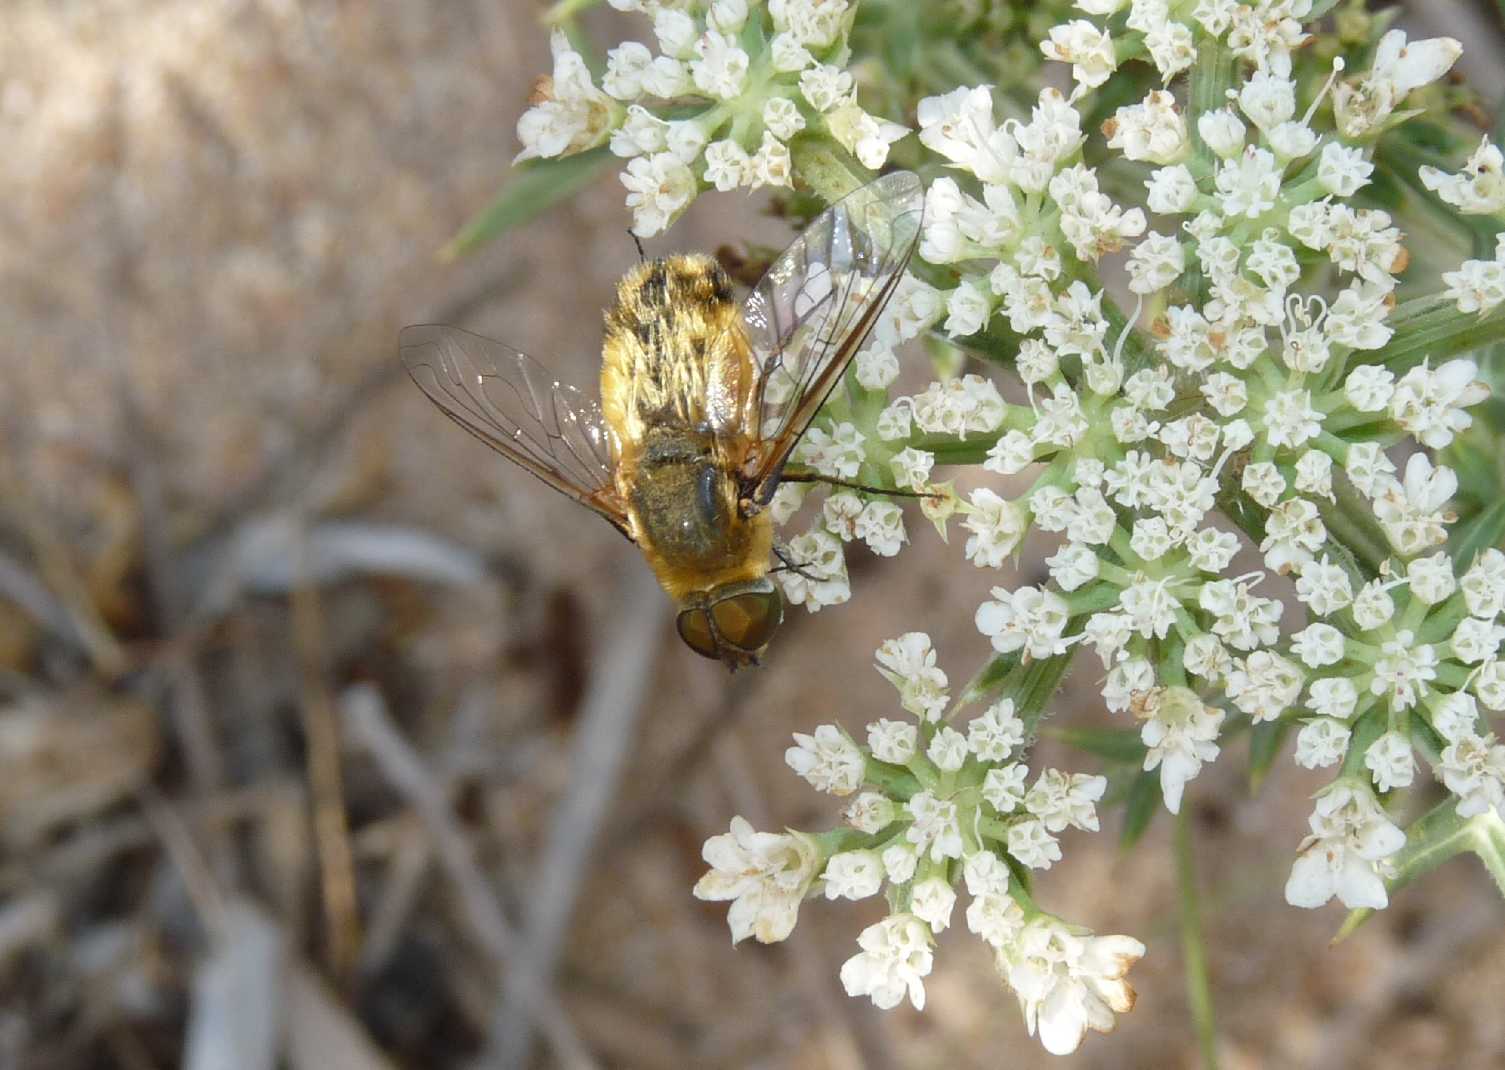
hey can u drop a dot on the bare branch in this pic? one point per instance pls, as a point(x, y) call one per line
point(609, 716)
point(365, 715)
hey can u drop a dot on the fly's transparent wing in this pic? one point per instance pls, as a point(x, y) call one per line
point(810, 314)
point(514, 404)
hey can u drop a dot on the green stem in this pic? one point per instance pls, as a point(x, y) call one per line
point(567, 9)
point(1489, 845)
point(1350, 519)
point(1432, 328)
point(825, 167)
point(1193, 948)
point(993, 828)
point(892, 780)
point(1211, 79)
point(948, 449)
point(1033, 685)
point(834, 841)
point(1433, 839)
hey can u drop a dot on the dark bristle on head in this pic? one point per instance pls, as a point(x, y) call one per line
point(721, 283)
point(655, 284)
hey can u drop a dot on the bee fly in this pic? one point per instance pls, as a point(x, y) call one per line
point(702, 402)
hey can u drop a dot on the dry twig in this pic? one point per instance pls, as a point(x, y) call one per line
point(321, 1033)
point(331, 829)
point(71, 613)
point(18, 585)
point(234, 1021)
point(609, 716)
point(189, 702)
point(365, 717)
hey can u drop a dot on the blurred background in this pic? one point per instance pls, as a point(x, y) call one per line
point(328, 740)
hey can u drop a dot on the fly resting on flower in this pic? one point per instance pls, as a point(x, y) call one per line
point(702, 403)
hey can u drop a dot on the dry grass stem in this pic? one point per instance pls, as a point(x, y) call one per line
point(365, 716)
point(322, 759)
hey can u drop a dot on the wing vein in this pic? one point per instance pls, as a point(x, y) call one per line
point(817, 304)
point(495, 393)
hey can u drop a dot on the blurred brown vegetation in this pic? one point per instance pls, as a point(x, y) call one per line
point(328, 741)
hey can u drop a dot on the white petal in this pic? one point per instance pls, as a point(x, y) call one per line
point(776, 918)
point(1117, 996)
point(717, 885)
point(721, 852)
point(1359, 885)
point(1063, 1019)
point(1111, 957)
point(854, 975)
point(740, 918)
point(1175, 770)
point(1380, 839)
point(1423, 62)
point(1312, 881)
point(1098, 1013)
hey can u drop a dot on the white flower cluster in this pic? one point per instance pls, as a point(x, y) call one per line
point(934, 804)
point(1479, 189)
point(863, 435)
point(1243, 478)
point(1247, 378)
point(1351, 837)
point(755, 75)
point(1417, 672)
point(764, 874)
point(568, 113)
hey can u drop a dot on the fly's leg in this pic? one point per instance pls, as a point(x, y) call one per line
point(803, 476)
point(788, 564)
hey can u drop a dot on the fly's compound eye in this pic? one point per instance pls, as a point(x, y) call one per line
point(747, 621)
point(695, 629)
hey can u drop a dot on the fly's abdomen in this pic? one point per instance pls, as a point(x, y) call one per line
point(680, 500)
point(684, 506)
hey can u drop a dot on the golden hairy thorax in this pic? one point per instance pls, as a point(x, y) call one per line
point(676, 388)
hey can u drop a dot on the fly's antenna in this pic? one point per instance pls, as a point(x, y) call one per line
point(637, 242)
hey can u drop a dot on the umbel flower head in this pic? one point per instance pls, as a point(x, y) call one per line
point(1240, 464)
point(716, 105)
point(940, 807)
